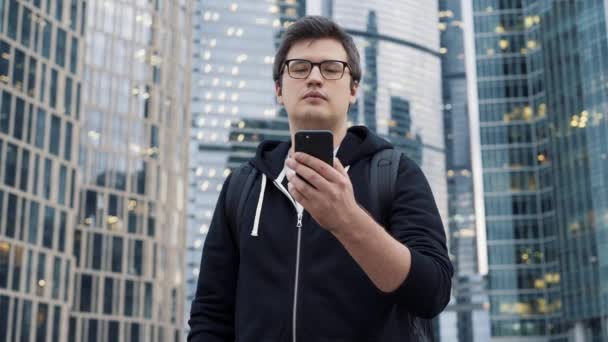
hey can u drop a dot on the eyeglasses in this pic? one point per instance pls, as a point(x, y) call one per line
point(301, 68)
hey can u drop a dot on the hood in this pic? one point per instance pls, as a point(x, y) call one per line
point(359, 143)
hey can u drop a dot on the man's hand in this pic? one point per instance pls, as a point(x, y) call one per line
point(328, 197)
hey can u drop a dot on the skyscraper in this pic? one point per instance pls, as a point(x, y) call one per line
point(128, 241)
point(467, 316)
point(542, 105)
point(233, 104)
point(92, 200)
point(40, 82)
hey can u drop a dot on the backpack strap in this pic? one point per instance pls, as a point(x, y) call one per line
point(383, 176)
point(240, 185)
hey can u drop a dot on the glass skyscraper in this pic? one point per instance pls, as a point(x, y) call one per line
point(40, 85)
point(543, 103)
point(233, 102)
point(94, 119)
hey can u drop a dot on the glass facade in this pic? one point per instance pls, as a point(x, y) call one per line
point(543, 103)
point(400, 92)
point(233, 103)
point(39, 58)
point(133, 155)
point(467, 316)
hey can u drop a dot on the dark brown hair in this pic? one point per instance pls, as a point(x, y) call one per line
point(316, 27)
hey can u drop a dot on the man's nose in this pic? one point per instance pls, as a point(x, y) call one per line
point(315, 75)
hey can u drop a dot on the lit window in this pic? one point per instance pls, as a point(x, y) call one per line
point(222, 96)
point(240, 138)
point(239, 32)
point(216, 81)
point(504, 44)
point(230, 31)
point(241, 84)
point(212, 173)
point(276, 23)
point(214, 122)
point(273, 9)
point(216, 16)
point(234, 7)
point(207, 16)
point(204, 229)
point(207, 68)
point(213, 42)
point(235, 70)
point(226, 172)
point(235, 110)
point(443, 50)
point(221, 109)
point(205, 186)
point(207, 55)
point(234, 97)
point(227, 123)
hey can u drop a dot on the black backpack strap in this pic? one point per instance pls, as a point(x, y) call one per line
point(239, 187)
point(383, 176)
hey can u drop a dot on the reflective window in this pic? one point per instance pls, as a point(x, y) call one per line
point(129, 297)
point(30, 120)
point(17, 266)
point(13, 15)
point(55, 135)
point(5, 112)
point(33, 231)
point(46, 39)
point(10, 165)
point(46, 186)
point(92, 330)
point(26, 321)
point(42, 86)
point(62, 182)
point(113, 331)
point(148, 301)
point(11, 215)
point(18, 69)
point(41, 274)
point(40, 128)
point(59, 10)
point(108, 296)
point(56, 277)
point(5, 53)
point(62, 228)
point(138, 257)
point(60, 47)
point(35, 175)
point(31, 77)
point(19, 115)
point(4, 300)
point(5, 249)
point(67, 100)
point(117, 247)
point(73, 14)
point(48, 231)
point(41, 320)
point(25, 167)
point(26, 26)
point(29, 271)
point(86, 293)
point(67, 147)
point(97, 251)
point(56, 323)
point(74, 56)
point(53, 89)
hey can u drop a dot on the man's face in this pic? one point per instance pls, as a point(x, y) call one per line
point(315, 102)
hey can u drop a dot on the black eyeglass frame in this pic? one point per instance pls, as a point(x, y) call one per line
point(318, 64)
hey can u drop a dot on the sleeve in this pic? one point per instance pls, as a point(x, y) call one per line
point(212, 312)
point(415, 222)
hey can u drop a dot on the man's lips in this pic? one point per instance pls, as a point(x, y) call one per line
point(315, 95)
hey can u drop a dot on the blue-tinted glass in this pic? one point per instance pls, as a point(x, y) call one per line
point(31, 77)
point(113, 331)
point(41, 321)
point(11, 215)
point(1, 28)
point(17, 266)
point(26, 321)
point(134, 332)
point(108, 296)
point(22, 220)
point(62, 226)
point(30, 120)
point(117, 254)
point(56, 323)
point(25, 168)
point(42, 86)
point(138, 257)
point(53, 89)
point(72, 188)
point(5, 249)
point(77, 105)
point(4, 300)
point(72, 330)
point(35, 175)
point(56, 277)
point(73, 14)
point(148, 301)
point(10, 168)
point(29, 271)
point(62, 182)
point(92, 330)
point(59, 10)
point(19, 69)
point(60, 47)
point(37, 3)
point(5, 112)
point(66, 282)
point(40, 128)
point(41, 274)
point(129, 298)
point(5, 53)
point(46, 39)
point(26, 27)
point(48, 232)
point(33, 231)
point(86, 294)
point(67, 100)
point(46, 186)
point(16, 305)
point(74, 56)
point(13, 15)
point(97, 251)
point(55, 135)
point(19, 115)
point(77, 243)
point(67, 147)
point(49, 7)
point(141, 178)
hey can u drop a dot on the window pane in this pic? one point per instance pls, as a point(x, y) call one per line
point(85, 293)
point(113, 331)
point(13, 15)
point(56, 277)
point(117, 247)
point(67, 147)
point(33, 232)
point(46, 186)
point(31, 77)
point(53, 94)
point(108, 296)
point(59, 9)
point(5, 249)
point(46, 39)
point(138, 257)
point(41, 274)
point(25, 167)
point(92, 330)
point(67, 101)
point(35, 175)
point(41, 320)
point(10, 167)
point(49, 219)
point(97, 251)
point(4, 300)
point(73, 14)
point(74, 56)
point(18, 69)
point(5, 112)
point(17, 266)
point(60, 47)
point(62, 227)
point(19, 115)
point(40, 128)
point(62, 183)
point(26, 321)
point(26, 25)
point(11, 215)
point(56, 323)
point(42, 86)
point(129, 297)
point(55, 134)
point(29, 271)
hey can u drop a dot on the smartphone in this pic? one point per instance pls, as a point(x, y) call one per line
point(319, 144)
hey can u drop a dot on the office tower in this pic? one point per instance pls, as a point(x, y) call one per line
point(233, 102)
point(40, 85)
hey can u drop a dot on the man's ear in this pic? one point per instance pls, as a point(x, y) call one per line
point(353, 92)
point(279, 92)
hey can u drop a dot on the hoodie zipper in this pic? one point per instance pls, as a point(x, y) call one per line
point(296, 280)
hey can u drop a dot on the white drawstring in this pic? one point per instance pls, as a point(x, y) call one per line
point(258, 211)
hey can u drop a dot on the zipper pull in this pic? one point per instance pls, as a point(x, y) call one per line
point(299, 225)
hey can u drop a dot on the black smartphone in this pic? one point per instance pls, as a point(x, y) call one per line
point(319, 144)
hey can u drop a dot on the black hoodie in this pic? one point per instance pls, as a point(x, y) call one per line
point(278, 276)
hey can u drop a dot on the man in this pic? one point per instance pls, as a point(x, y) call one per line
point(306, 260)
